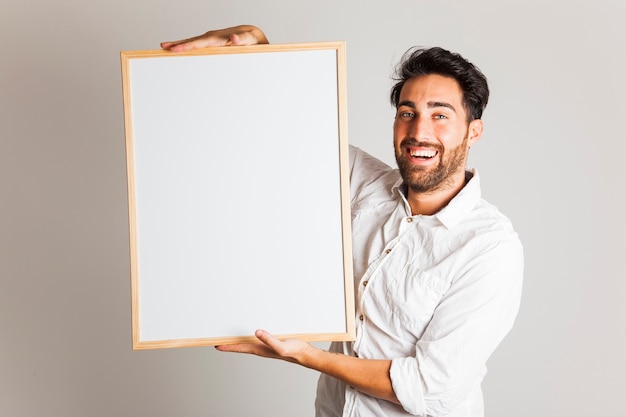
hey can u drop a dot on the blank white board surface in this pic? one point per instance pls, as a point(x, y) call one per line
point(238, 194)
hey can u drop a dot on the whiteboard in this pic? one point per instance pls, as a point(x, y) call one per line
point(238, 194)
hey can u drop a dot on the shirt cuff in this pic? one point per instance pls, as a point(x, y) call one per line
point(407, 386)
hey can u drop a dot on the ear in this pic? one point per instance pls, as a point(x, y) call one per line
point(474, 132)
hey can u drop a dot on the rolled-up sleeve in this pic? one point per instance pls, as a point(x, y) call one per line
point(407, 385)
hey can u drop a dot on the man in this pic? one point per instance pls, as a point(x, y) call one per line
point(438, 269)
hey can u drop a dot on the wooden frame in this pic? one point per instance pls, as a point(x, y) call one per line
point(238, 194)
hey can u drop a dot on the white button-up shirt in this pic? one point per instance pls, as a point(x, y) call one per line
point(435, 294)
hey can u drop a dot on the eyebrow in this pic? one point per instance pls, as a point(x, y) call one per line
point(430, 104)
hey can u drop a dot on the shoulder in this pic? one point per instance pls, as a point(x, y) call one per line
point(492, 220)
point(478, 226)
point(494, 240)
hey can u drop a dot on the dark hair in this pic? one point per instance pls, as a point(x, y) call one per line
point(424, 61)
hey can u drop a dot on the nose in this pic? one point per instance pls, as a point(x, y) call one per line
point(420, 128)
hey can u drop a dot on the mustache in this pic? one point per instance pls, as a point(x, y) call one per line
point(411, 141)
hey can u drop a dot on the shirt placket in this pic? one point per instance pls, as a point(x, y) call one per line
point(361, 319)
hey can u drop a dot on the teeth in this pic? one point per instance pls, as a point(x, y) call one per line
point(423, 153)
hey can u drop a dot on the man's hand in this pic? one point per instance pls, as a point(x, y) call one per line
point(236, 35)
point(369, 376)
point(295, 351)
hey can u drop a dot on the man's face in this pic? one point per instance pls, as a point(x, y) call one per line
point(431, 133)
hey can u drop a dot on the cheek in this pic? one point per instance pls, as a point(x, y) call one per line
point(450, 136)
point(395, 126)
point(397, 135)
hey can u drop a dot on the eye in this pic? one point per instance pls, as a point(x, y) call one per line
point(406, 115)
point(440, 116)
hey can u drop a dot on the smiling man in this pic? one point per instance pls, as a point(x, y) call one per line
point(434, 129)
point(437, 269)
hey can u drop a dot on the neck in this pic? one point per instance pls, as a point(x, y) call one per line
point(430, 202)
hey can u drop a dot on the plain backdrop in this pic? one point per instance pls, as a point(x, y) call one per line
point(552, 159)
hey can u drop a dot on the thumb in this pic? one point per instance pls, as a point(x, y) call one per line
point(244, 38)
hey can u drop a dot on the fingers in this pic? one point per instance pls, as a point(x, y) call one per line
point(198, 42)
point(250, 348)
point(261, 349)
point(236, 36)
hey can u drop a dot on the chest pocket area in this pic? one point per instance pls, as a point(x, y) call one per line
point(413, 297)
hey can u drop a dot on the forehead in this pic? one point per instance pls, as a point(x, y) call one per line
point(432, 87)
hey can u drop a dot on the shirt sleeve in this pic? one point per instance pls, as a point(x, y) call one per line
point(364, 170)
point(473, 317)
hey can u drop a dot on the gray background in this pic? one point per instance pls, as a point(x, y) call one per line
point(551, 158)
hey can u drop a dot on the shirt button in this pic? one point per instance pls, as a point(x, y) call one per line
point(388, 251)
point(409, 219)
point(361, 317)
point(365, 283)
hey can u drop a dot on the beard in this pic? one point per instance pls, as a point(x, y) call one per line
point(422, 179)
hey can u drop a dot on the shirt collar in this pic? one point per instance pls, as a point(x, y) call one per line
point(459, 207)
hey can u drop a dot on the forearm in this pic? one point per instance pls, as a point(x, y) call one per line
point(366, 375)
point(369, 376)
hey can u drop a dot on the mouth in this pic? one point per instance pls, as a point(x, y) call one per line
point(421, 153)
